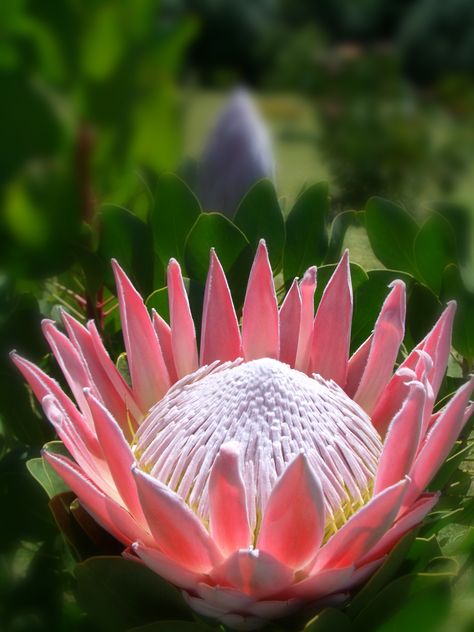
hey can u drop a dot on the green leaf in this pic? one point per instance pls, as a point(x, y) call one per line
point(212, 230)
point(423, 550)
point(103, 43)
point(25, 106)
point(423, 309)
point(306, 232)
point(123, 368)
point(330, 620)
point(412, 602)
point(450, 466)
point(119, 594)
point(158, 300)
point(435, 248)
point(259, 216)
point(459, 218)
point(126, 238)
point(42, 471)
point(339, 227)
point(392, 232)
point(382, 576)
point(174, 214)
point(463, 332)
point(19, 328)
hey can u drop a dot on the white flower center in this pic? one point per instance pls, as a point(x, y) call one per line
point(275, 413)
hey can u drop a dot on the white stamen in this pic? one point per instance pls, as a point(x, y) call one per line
point(274, 412)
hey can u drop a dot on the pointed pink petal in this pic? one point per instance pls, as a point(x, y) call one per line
point(392, 399)
point(148, 372)
point(69, 360)
point(114, 376)
point(166, 568)
point(359, 534)
point(220, 335)
point(106, 511)
point(260, 326)
point(321, 583)
point(117, 453)
point(305, 339)
point(177, 531)
point(183, 333)
point(98, 368)
point(290, 317)
point(43, 385)
point(332, 326)
point(163, 331)
point(356, 366)
point(423, 371)
point(467, 415)
point(295, 506)
point(253, 572)
point(408, 521)
point(229, 523)
point(91, 463)
point(401, 442)
point(438, 346)
point(388, 335)
point(439, 442)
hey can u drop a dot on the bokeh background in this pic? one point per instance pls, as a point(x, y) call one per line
point(98, 98)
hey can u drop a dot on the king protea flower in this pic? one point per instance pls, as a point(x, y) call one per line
point(265, 469)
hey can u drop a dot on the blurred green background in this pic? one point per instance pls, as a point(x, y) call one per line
point(98, 98)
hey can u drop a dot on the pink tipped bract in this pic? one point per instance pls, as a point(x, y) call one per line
point(265, 468)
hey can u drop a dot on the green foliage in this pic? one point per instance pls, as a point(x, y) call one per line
point(453, 287)
point(212, 230)
point(259, 216)
point(127, 239)
point(432, 28)
point(40, 469)
point(434, 248)
point(436, 257)
point(175, 211)
point(392, 233)
point(120, 594)
point(307, 231)
point(329, 619)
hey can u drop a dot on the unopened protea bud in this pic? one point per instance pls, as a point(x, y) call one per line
point(237, 154)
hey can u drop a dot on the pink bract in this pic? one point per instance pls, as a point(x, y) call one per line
point(266, 469)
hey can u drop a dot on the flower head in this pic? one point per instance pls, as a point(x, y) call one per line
point(267, 468)
point(238, 153)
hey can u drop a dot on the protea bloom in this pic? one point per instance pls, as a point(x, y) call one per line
point(238, 153)
point(266, 469)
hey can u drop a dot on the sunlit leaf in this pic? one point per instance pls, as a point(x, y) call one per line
point(259, 216)
point(306, 232)
point(175, 211)
point(392, 232)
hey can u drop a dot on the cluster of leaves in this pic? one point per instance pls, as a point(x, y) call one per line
point(436, 257)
